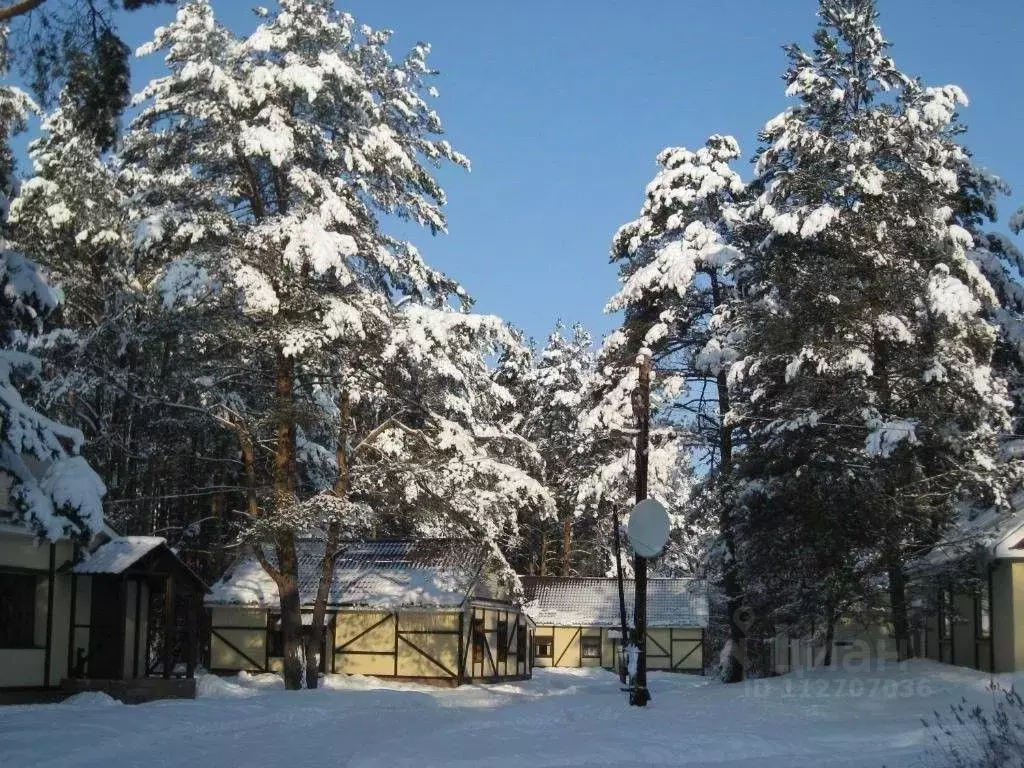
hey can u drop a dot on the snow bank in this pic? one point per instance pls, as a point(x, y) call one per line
point(869, 716)
point(90, 699)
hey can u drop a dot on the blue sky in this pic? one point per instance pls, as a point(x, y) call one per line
point(562, 105)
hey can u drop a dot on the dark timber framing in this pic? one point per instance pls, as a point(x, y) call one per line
point(48, 653)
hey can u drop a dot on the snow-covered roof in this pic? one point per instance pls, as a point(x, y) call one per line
point(594, 602)
point(990, 535)
point(118, 555)
point(379, 574)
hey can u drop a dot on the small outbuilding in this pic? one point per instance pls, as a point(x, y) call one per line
point(969, 596)
point(579, 625)
point(441, 611)
point(119, 615)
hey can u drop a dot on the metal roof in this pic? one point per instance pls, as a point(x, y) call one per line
point(118, 555)
point(386, 574)
point(594, 602)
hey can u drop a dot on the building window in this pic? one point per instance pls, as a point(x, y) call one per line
point(543, 646)
point(591, 647)
point(984, 605)
point(502, 641)
point(17, 610)
point(478, 641)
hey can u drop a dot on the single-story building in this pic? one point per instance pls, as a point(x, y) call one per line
point(969, 596)
point(857, 641)
point(442, 611)
point(579, 624)
point(116, 615)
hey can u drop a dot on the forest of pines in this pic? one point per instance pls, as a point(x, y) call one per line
point(213, 333)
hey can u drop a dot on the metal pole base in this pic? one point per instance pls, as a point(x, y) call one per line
point(639, 696)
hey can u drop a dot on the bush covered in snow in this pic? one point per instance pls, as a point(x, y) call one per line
point(971, 736)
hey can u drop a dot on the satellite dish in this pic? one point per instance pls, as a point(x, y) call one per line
point(648, 528)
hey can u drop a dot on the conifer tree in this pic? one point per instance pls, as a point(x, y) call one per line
point(550, 393)
point(867, 366)
point(264, 162)
point(676, 264)
point(54, 489)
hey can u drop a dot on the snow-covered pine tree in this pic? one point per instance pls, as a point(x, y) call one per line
point(867, 363)
point(265, 162)
point(676, 262)
point(550, 396)
point(54, 489)
point(124, 360)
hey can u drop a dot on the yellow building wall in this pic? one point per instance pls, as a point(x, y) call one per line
point(366, 650)
point(440, 652)
point(1004, 621)
point(491, 666)
point(659, 649)
point(567, 648)
point(243, 628)
point(364, 643)
point(25, 667)
point(687, 649)
point(1018, 615)
point(667, 648)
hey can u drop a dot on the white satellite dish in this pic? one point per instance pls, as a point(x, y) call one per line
point(648, 528)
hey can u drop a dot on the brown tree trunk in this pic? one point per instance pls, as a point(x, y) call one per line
point(284, 497)
point(830, 638)
point(543, 550)
point(315, 638)
point(898, 600)
point(567, 546)
point(733, 667)
point(291, 613)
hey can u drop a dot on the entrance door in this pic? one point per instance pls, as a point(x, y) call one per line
point(106, 629)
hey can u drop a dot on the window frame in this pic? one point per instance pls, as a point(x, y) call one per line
point(583, 646)
point(544, 640)
point(26, 640)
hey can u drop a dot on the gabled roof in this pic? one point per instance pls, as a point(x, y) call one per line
point(989, 535)
point(379, 574)
point(118, 555)
point(137, 556)
point(594, 602)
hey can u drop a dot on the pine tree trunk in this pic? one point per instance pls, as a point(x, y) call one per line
point(898, 601)
point(284, 488)
point(315, 639)
point(543, 550)
point(830, 638)
point(567, 546)
point(291, 614)
point(733, 669)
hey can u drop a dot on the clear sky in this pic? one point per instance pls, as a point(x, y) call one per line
point(562, 106)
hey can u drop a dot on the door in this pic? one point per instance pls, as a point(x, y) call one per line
point(106, 629)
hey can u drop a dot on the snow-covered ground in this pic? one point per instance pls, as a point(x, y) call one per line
point(560, 718)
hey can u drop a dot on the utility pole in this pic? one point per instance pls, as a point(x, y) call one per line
point(624, 636)
point(639, 695)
